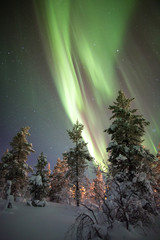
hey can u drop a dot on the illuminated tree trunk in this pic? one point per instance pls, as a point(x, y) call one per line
point(77, 185)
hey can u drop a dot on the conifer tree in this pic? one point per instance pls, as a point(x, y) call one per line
point(6, 158)
point(39, 182)
point(130, 190)
point(14, 162)
point(157, 168)
point(156, 171)
point(126, 133)
point(85, 189)
point(2, 180)
point(49, 169)
point(59, 190)
point(97, 189)
point(76, 157)
point(158, 153)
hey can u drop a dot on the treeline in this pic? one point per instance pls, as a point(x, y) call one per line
point(67, 183)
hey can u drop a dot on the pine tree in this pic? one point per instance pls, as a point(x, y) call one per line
point(85, 189)
point(49, 169)
point(39, 182)
point(60, 188)
point(14, 162)
point(6, 158)
point(97, 189)
point(156, 171)
point(2, 180)
point(76, 157)
point(127, 131)
point(158, 154)
point(157, 168)
point(130, 190)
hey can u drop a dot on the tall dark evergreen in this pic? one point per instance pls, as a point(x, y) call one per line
point(129, 164)
point(127, 154)
point(76, 157)
point(2, 181)
point(39, 182)
point(156, 170)
point(14, 162)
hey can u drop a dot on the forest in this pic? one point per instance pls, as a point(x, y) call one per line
point(125, 190)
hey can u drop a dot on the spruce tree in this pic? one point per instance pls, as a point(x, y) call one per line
point(157, 168)
point(158, 153)
point(49, 169)
point(5, 165)
point(60, 188)
point(39, 182)
point(156, 171)
point(14, 162)
point(130, 192)
point(76, 157)
point(2, 181)
point(97, 189)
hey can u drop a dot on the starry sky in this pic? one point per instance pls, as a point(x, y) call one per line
point(63, 60)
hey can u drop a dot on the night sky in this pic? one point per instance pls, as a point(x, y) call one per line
point(64, 60)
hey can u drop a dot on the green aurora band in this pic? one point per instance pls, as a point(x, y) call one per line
point(82, 40)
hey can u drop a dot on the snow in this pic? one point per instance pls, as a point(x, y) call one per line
point(137, 148)
point(119, 232)
point(25, 222)
point(113, 126)
point(53, 221)
point(36, 180)
point(112, 144)
point(142, 177)
point(10, 200)
point(126, 149)
point(121, 157)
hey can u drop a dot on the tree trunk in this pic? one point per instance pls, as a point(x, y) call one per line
point(77, 183)
point(77, 175)
point(77, 193)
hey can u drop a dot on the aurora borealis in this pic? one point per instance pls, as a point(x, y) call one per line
point(63, 60)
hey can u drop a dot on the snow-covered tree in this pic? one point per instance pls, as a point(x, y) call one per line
point(98, 189)
point(2, 181)
point(14, 162)
point(49, 169)
point(130, 194)
point(9, 197)
point(157, 167)
point(39, 182)
point(60, 189)
point(158, 153)
point(84, 190)
point(76, 157)
point(156, 171)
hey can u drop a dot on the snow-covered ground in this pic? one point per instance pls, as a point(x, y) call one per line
point(52, 222)
point(35, 223)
